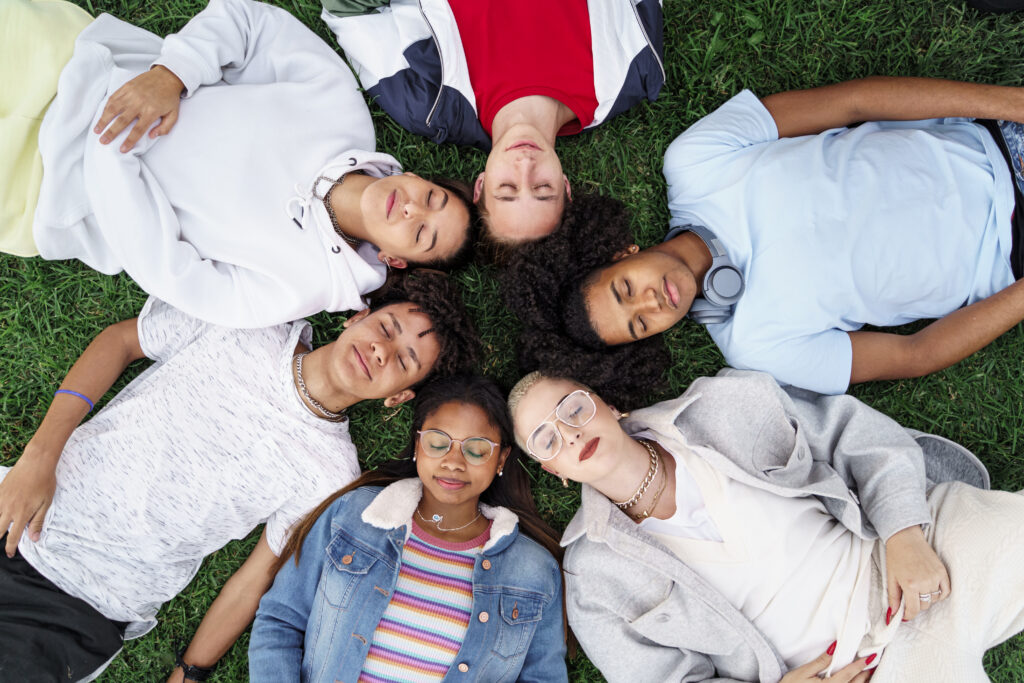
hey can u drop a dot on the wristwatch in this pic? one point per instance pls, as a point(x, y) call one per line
point(192, 673)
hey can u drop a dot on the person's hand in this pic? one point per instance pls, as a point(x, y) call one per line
point(851, 673)
point(177, 676)
point(913, 571)
point(155, 94)
point(25, 496)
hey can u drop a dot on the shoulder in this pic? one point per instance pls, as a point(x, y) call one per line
point(351, 505)
point(532, 565)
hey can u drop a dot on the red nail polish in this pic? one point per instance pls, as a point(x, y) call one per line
point(871, 659)
point(831, 648)
point(888, 615)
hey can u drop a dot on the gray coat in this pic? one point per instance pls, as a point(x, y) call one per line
point(643, 615)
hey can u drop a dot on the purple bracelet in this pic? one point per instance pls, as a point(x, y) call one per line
point(74, 393)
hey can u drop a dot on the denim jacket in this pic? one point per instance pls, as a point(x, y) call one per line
point(317, 621)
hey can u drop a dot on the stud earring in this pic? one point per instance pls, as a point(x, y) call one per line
point(414, 457)
point(565, 483)
point(500, 472)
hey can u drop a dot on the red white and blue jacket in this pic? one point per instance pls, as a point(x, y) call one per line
point(408, 56)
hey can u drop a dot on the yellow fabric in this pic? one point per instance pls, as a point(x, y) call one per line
point(37, 38)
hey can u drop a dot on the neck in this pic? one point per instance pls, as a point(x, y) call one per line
point(547, 115)
point(463, 514)
point(345, 200)
point(622, 482)
point(321, 385)
point(691, 250)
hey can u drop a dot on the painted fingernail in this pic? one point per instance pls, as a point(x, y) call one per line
point(871, 658)
point(831, 648)
point(904, 620)
point(888, 616)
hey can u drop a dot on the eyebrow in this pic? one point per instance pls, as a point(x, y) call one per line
point(394, 321)
point(444, 202)
point(415, 358)
point(433, 241)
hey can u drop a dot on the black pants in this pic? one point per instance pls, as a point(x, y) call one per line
point(45, 634)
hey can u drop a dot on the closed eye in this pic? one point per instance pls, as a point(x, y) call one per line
point(419, 232)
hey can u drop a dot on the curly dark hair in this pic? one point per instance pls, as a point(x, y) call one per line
point(437, 295)
point(543, 285)
point(464, 254)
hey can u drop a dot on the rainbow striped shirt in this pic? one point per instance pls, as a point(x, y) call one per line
point(426, 620)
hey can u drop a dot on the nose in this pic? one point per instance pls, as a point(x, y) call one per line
point(570, 435)
point(648, 301)
point(454, 460)
point(381, 352)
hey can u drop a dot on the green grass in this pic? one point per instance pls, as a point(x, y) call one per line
point(49, 311)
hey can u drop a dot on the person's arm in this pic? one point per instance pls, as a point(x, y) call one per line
point(889, 98)
point(276, 642)
point(27, 490)
point(232, 611)
point(883, 355)
point(221, 41)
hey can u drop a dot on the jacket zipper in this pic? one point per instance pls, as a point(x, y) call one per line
point(636, 13)
point(437, 46)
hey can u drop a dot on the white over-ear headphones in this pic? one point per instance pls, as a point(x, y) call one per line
point(723, 284)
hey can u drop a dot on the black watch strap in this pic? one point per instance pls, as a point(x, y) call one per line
point(192, 673)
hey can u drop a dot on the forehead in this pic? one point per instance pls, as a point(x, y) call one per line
point(461, 420)
point(524, 219)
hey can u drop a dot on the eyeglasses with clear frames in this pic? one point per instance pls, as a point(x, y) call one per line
point(476, 450)
point(575, 410)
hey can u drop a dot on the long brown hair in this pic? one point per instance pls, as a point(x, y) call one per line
point(512, 490)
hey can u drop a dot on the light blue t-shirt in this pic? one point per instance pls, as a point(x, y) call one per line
point(880, 224)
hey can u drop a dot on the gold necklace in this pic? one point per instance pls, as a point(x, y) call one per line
point(657, 496)
point(652, 471)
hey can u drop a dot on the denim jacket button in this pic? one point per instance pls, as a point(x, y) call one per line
point(486, 564)
point(484, 616)
point(463, 667)
point(347, 559)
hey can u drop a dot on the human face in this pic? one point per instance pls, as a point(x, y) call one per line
point(412, 220)
point(588, 452)
point(450, 479)
point(639, 295)
point(382, 354)
point(523, 187)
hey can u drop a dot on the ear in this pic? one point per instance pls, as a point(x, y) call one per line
point(353, 319)
point(503, 456)
point(568, 187)
point(478, 187)
point(392, 261)
point(410, 173)
point(548, 470)
point(399, 398)
point(615, 412)
point(631, 250)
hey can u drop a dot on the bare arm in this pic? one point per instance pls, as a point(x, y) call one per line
point(887, 98)
point(881, 355)
point(232, 611)
point(26, 492)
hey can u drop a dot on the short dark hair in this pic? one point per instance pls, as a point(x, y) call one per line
point(464, 254)
point(435, 294)
point(543, 285)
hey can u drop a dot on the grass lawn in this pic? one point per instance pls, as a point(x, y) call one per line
point(50, 310)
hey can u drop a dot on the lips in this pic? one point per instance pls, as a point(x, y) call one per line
point(390, 204)
point(523, 144)
point(671, 293)
point(361, 363)
point(450, 484)
point(589, 449)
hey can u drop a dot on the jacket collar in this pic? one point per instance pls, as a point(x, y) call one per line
point(395, 505)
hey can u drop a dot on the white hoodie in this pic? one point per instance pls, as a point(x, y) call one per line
point(218, 218)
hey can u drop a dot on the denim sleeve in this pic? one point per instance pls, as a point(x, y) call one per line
point(276, 644)
point(545, 658)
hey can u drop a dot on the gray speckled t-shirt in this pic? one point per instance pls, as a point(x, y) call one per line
point(203, 446)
